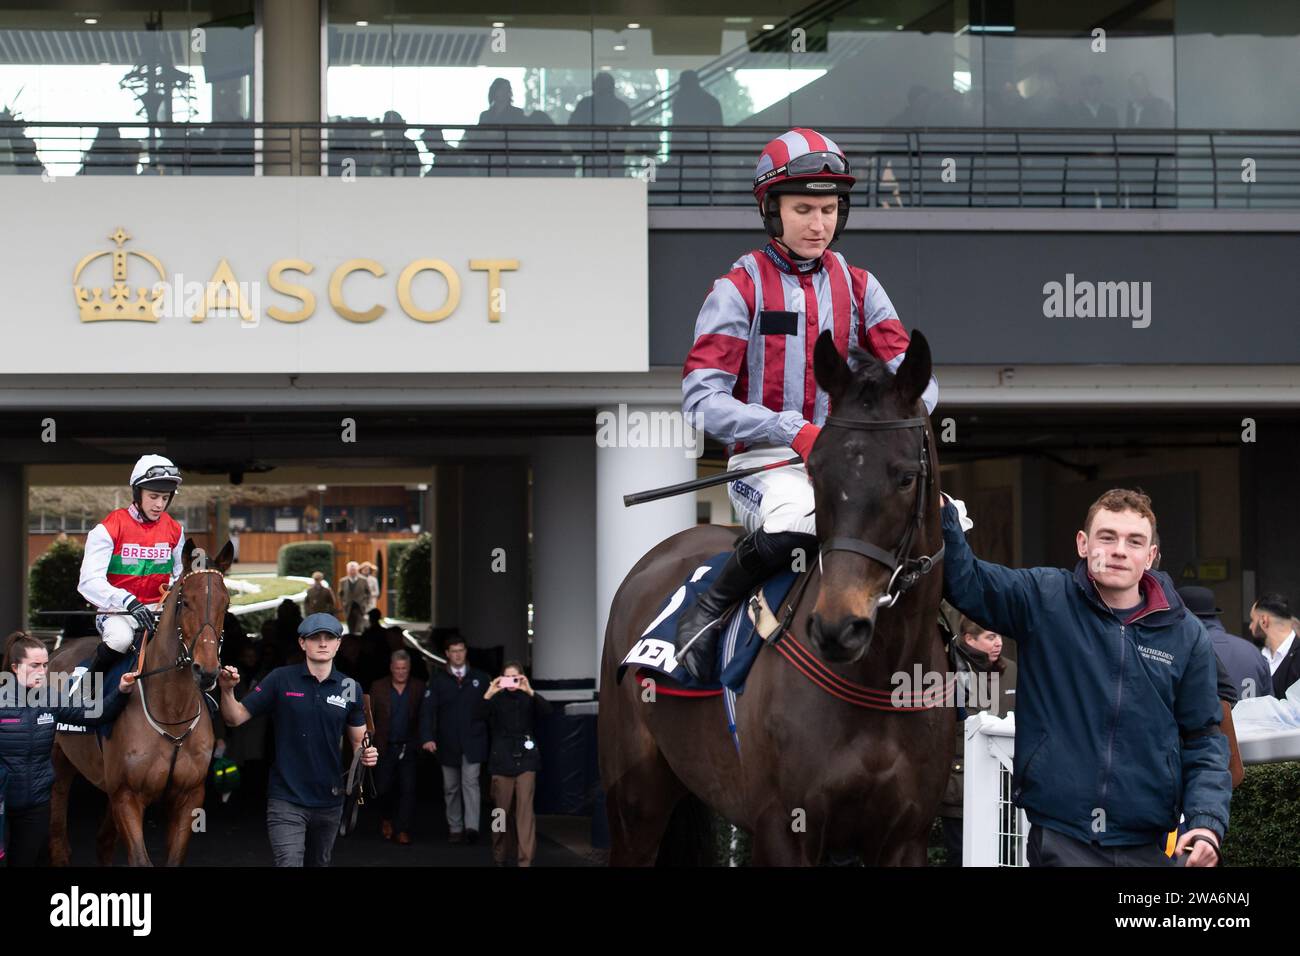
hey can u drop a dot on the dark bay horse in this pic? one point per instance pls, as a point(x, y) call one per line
point(162, 743)
point(817, 774)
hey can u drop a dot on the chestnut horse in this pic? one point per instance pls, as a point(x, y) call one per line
point(162, 743)
point(817, 776)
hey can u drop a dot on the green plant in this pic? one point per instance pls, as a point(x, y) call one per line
point(52, 586)
point(301, 558)
point(415, 580)
point(1264, 824)
point(392, 570)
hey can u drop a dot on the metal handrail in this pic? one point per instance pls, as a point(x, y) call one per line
point(707, 166)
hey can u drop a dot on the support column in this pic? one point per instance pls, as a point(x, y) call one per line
point(564, 558)
point(13, 547)
point(624, 535)
point(291, 90)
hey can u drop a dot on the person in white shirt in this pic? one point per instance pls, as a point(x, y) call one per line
point(1271, 622)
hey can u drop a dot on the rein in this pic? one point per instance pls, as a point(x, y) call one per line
point(184, 657)
point(906, 572)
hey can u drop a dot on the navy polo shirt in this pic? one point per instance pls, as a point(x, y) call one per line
point(309, 717)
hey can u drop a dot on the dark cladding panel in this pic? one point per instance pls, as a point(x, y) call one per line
point(1230, 298)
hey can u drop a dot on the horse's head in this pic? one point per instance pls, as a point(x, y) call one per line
point(201, 610)
point(866, 483)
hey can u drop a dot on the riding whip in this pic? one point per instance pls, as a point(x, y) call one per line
point(654, 494)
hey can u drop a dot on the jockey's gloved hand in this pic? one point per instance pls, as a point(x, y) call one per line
point(142, 614)
point(966, 522)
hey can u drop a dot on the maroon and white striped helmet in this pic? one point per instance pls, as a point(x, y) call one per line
point(802, 160)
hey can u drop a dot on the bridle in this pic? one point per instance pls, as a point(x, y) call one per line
point(905, 570)
point(184, 658)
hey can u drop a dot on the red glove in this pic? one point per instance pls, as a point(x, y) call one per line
point(803, 442)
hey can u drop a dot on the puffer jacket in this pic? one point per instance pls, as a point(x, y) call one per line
point(27, 738)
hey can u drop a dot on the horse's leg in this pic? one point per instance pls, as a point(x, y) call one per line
point(639, 807)
point(182, 823)
point(64, 774)
point(779, 842)
point(106, 838)
point(128, 813)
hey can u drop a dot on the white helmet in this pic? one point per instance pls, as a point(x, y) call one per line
point(155, 473)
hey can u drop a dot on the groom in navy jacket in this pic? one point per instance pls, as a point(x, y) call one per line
point(1117, 716)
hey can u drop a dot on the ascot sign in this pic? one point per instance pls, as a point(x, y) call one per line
point(223, 291)
point(220, 275)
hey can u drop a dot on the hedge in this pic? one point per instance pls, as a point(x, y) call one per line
point(302, 558)
point(52, 586)
point(414, 589)
point(1264, 823)
point(393, 571)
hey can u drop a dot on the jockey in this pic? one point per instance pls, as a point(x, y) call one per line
point(748, 379)
point(130, 556)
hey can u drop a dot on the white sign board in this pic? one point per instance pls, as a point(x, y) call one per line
point(289, 275)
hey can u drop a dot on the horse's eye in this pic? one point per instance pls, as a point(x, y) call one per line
point(907, 480)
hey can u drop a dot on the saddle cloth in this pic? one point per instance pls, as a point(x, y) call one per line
point(111, 679)
point(737, 649)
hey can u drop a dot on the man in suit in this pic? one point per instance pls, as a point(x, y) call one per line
point(1247, 670)
point(395, 702)
point(1270, 620)
point(354, 598)
point(450, 729)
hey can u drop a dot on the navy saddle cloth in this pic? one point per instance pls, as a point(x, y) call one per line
point(737, 649)
point(111, 679)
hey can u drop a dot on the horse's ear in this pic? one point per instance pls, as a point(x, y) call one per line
point(186, 553)
point(829, 368)
point(913, 376)
point(225, 558)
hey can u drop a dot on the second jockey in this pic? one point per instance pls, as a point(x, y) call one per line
point(748, 379)
point(130, 557)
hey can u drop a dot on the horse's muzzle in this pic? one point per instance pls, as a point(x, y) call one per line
point(205, 679)
point(844, 641)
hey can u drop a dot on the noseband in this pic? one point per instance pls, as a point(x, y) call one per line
point(905, 570)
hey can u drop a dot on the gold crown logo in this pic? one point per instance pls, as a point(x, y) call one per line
point(120, 306)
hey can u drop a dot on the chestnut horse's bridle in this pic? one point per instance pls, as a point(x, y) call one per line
point(905, 570)
point(184, 656)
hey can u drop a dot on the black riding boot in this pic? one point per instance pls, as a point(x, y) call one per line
point(105, 659)
point(757, 556)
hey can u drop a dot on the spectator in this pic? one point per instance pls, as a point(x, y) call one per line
point(27, 739)
point(1270, 621)
point(981, 651)
point(401, 157)
point(110, 154)
point(311, 703)
point(601, 107)
point(511, 709)
point(395, 703)
point(288, 618)
point(320, 599)
point(373, 661)
point(693, 105)
point(372, 586)
point(1144, 109)
point(1247, 671)
point(449, 728)
point(246, 744)
point(1117, 707)
point(354, 595)
point(501, 105)
point(1091, 110)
